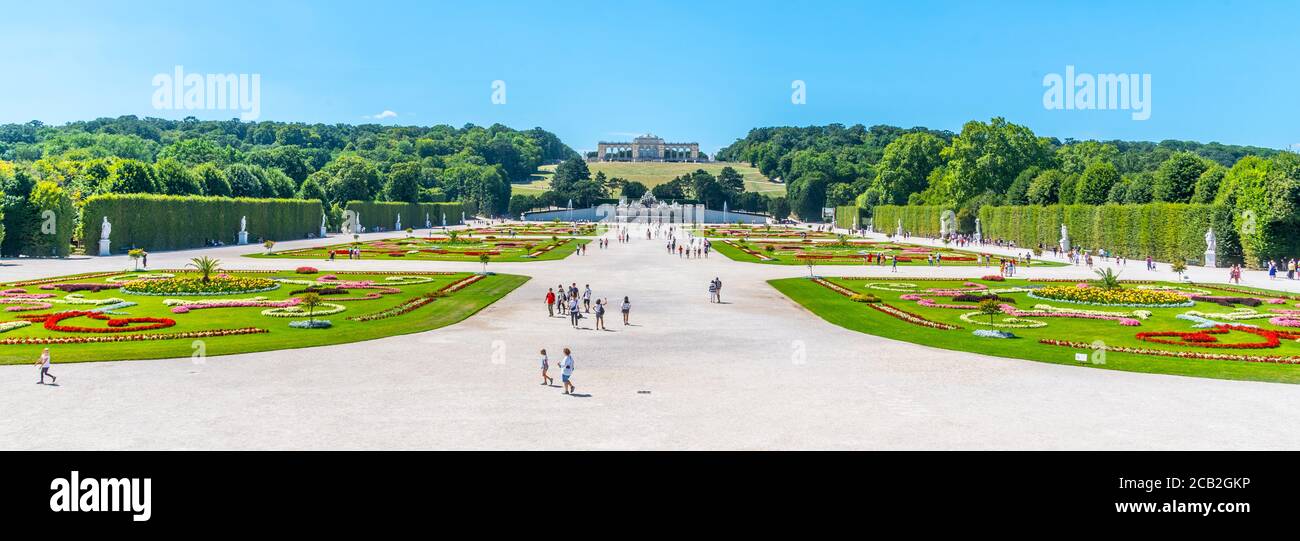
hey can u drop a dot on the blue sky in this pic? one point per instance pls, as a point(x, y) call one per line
point(688, 71)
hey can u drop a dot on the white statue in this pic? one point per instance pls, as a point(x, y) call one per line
point(1211, 246)
point(979, 234)
point(322, 221)
point(398, 227)
point(105, 229)
point(243, 224)
point(1065, 239)
point(427, 223)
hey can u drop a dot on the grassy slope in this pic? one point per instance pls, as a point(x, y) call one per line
point(841, 311)
point(655, 173)
point(442, 312)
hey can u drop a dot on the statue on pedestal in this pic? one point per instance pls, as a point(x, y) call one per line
point(1211, 246)
point(105, 229)
point(1065, 239)
point(243, 230)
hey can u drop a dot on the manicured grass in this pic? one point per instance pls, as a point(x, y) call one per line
point(655, 173)
point(443, 311)
point(796, 252)
point(841, 310)
point(464, 248)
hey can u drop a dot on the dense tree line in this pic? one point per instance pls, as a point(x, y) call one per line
point(995, 162)
point(334, 163)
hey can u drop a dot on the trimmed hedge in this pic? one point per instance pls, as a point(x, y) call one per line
point(166, 222)
point(918, 220)
point(1165, 231)
point(384, 214)
point(850, 217)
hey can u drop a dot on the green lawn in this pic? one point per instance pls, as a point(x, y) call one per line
point(442, 311)
point(655, 173)
point(840, 310)
point(464, 248)
point(796, 252)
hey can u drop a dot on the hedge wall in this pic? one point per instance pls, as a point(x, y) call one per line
point(166, 222)
point(850, 217)
point(920, 220)
point(1165, 231)
point(377, 214)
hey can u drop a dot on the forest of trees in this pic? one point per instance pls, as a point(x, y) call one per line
point(996, 163)
point(334, 163)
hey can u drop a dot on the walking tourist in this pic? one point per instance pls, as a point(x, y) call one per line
point(626, 308)
point(44, 364)
point(546, 379)
point(566, 374)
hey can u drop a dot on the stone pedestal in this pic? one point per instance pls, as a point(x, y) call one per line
point(103, 247)
point(1210, 258)
point(243, 238)
point(322, 232)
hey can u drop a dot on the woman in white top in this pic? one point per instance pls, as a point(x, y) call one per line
point(627, 307)
point(44, 364)
point(567, 364)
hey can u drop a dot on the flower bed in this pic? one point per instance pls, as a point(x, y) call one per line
point(396, 310)
point(296, 310)
point(1145, 298)
point(115, 325)
point(1178, 354)
point(11, 325)
point(196, 286)
point(311, 324)
point(1206, 338)
point(306, 270)
point(133, 337)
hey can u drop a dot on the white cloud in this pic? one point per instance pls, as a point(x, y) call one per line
point(382, 116)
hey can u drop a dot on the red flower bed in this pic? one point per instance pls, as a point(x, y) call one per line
point(306, 270)
point(994, 278)
point(114, 324)
point(1177, 354)
point(1206, 339)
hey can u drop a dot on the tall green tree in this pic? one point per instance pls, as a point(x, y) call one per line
point(906, 164)
point(1176, 177)
point(1095, 183)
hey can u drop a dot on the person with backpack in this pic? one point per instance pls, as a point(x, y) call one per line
point(627, 308)
point(600, 315)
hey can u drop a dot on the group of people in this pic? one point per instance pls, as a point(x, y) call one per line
point(574, 303)
point(715, 290)
point(1288, 266)
point(353, 253)
point(691, 248)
